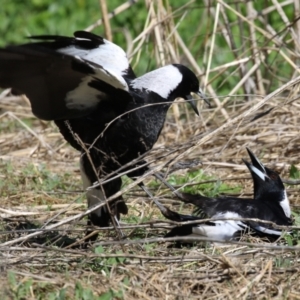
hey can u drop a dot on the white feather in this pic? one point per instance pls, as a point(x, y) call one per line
point(109, 62)
point(223, 229)
point(261, 165)
point(268, 231)
point(285, 204)
point(161, 81)
point(258, 172)
point(85, 96)
point(108, 55)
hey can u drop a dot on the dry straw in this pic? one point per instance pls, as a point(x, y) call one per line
point(260, 111)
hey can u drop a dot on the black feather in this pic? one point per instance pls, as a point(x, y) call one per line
point(94, 106)
point(269, 193)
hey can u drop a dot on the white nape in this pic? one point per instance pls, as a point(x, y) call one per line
point(161, 81)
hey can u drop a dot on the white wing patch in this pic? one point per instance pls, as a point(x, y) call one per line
point(108, 55)
point(85, 96)
point(109, 63)
point(223, 229)
point(111, 77)
point(161, 81)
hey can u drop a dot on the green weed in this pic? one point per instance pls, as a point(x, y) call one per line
point(197, 182)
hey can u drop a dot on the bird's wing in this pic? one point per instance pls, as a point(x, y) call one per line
point(176, 217)
point(108, 59)
point(66, 77)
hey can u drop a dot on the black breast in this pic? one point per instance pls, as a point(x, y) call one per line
point(117, 139)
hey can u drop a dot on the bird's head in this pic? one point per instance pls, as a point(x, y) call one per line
point(168, 83)
point(188, 86)
point(268, 185)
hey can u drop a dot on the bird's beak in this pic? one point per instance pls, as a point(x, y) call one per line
point(203, 96)
point(255, 171)
point(255, 161)
point(193, 103)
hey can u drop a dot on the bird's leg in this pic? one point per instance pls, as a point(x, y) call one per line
point(117, 223)
point(98, 194)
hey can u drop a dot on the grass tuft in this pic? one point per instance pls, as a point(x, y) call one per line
point(246, 55)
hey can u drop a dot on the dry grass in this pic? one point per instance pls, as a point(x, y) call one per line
point(38, 222)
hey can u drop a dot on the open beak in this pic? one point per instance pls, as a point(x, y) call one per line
point(255, 172)
point(255, 161)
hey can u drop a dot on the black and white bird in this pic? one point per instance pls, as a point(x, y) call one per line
point(270, 203)
point(87, 86)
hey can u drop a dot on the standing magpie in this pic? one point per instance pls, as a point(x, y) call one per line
point(87, 86)
point(270, 203)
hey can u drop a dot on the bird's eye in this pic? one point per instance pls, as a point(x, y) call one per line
point(273, 176)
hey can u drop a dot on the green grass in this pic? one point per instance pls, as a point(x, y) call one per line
point(19, 19)
point(33, 272)
point(294, 239)
point(82, 291)
point(294, 172)
point(198, 182)
point(34, 178)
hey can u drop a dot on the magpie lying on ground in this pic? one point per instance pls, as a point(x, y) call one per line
point(270, 203)
point(87, 86)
